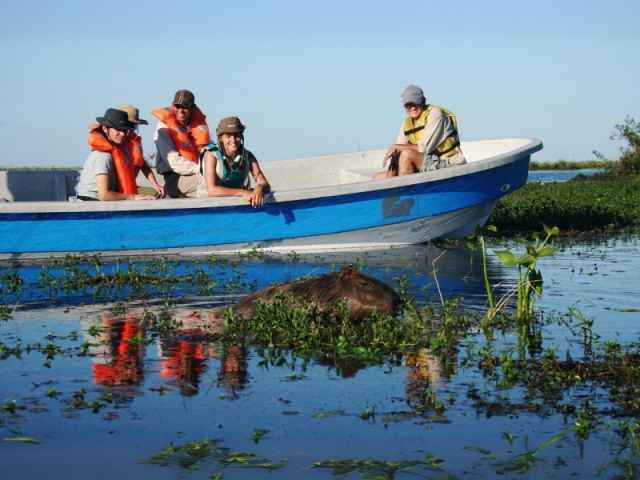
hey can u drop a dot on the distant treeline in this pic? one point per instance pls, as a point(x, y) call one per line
point(568, 165)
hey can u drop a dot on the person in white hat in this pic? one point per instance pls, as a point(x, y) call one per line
point(428, 138)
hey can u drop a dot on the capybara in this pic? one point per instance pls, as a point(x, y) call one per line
point(361, 293)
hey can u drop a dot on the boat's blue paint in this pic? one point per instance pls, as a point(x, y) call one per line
point(193, 227)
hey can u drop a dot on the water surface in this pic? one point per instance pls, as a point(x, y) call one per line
point(282, 407)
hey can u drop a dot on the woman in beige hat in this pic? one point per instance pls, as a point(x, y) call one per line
point(134, 146)
point(225, 166)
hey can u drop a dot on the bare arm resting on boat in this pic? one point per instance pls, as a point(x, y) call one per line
point(168, 159)
point(98, 180)
point(148, 173)
point(106, 194)
point(214, 189)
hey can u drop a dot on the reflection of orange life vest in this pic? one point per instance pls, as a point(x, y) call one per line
point(187, 141)
point(122, 165)
point(123, 368)
point(184, 360)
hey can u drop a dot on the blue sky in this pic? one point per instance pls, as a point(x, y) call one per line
point(315, 78)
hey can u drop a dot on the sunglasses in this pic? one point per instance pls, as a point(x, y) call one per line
point(121, 130)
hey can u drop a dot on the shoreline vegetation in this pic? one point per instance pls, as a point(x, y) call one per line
point(606, 201)
point(572, 165)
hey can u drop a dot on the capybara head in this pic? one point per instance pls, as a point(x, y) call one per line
point(360, 292)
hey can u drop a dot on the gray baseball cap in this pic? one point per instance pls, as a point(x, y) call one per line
point(413, 94)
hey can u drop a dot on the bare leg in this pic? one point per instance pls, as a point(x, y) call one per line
point(410, 161)
point(391, 172)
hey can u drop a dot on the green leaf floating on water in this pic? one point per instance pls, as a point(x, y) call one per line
point(478, 449)
point(21, 439)
point(626, 310)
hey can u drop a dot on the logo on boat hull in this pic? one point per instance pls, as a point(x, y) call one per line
point(393, 206)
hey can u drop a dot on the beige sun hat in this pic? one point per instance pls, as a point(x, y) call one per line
point(230, 125)
point(133, 115)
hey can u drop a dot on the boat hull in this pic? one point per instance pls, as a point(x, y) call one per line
point(371, 214)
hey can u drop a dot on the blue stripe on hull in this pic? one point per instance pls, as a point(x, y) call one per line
point(193, 227)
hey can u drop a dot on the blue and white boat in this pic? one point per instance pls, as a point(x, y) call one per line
point(316, 204)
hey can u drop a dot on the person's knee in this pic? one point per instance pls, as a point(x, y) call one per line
point(409, 162)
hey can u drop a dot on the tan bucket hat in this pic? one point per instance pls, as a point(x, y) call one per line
point(230, 125)
point(133, 115)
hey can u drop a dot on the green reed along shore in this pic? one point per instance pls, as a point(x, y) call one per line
point(584, 204)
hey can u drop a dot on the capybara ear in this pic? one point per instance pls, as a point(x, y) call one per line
point(346, 272)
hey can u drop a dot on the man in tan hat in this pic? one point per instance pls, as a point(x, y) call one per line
point(181, 134)
point(225, 166)
point(134, 147)
point(428, 138)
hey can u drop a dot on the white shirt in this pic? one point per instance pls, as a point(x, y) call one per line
point(167, 157)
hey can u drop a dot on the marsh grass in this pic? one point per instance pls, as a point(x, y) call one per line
point(581, 205)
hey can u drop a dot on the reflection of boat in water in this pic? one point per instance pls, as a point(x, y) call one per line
point(429, 270)
point(316, 204)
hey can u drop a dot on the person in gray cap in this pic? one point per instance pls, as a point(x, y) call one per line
point(181, 134)
point(428, 138)
point(225, 166)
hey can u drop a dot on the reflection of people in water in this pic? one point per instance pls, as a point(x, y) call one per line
point(184, 358)
point(426, 371)
point(121, 351)
point(183, 362)
point(186, 355)
point(233, 369)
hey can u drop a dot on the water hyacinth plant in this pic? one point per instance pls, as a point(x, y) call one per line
point(529, 284)
point(529, 281)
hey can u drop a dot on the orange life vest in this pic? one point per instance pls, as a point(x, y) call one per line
point(134, 146)
point(122, 165)
point(190, 140)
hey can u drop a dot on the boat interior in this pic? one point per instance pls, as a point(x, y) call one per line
point(314, 172)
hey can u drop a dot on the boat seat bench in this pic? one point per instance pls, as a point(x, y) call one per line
point(37, 186)
point(355, 175)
